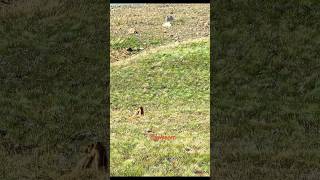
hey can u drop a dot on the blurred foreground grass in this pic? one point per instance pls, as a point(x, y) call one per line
point(52, 85)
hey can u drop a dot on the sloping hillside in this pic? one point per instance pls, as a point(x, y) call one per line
point(172, 85)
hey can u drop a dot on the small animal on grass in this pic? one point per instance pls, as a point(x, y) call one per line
point(169, 18)
point(96, 157)
point(138, 113)
point(92, 165)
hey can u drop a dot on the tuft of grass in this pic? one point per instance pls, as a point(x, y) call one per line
point(121, 43)
point(179, 21)
point(173, 87)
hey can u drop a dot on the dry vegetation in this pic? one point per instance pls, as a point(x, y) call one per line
point(191, 22)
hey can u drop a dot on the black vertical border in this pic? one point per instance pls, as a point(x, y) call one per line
point(212, 34)
point(108, 88)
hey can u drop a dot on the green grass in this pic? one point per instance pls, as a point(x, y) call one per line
point(52, 76)
point(133, 42)
point(120, 43)
point(173, 87)
point(266, 90)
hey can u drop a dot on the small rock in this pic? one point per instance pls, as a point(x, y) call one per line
point(166, 24)
point(132, 31)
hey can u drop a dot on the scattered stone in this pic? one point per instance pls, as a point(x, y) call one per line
point(132, 31)
point(166, 24)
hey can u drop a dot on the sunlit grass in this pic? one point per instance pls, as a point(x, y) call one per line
point(173, 87)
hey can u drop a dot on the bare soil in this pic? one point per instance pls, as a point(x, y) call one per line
point(191, 21)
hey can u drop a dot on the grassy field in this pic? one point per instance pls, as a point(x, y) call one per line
point(172, 84)
point(52, 85)
point(266, 89)
point(170, 79)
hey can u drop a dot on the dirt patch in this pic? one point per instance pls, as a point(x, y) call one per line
point(191, 21)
